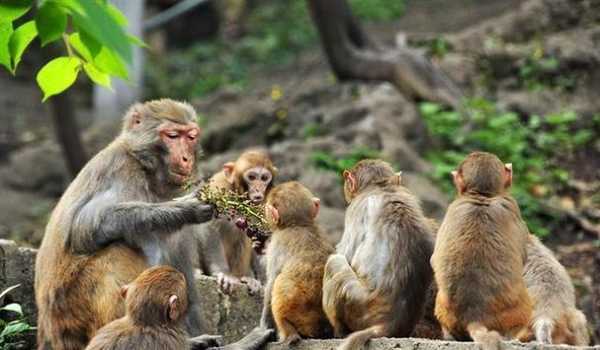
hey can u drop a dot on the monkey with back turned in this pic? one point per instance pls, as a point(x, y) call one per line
point(374, 286)
point(479, 255)
point(296, 256)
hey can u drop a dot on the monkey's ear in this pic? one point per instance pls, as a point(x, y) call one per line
point(228, 171)
point(274, 170)
point(173, 307)
point(350, 180)
point(458, 181)
point(273, 213)
point(134, 118)
point(508, 175)
point(124, 290)
point(316, 206)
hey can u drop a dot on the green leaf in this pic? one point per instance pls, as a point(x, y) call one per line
point(14, 307)
point(103, 58)
point(117, 15)
point(6, 31)
point(51, 22)
point(136, 41)
point(15, 327)
point(95, 19)
point(8, 290)
point(13, 9)
point(96, 75)
point(57, 75)
point(19, 41)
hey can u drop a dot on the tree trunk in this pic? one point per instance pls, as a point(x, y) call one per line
point(353, 55)
point(67, 132)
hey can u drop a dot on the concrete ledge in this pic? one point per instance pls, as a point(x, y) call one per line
point(421, 344)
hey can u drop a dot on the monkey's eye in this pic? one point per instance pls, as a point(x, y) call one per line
point(265, 178)
point(192, 137)
point(172, 135)
point(251, 177)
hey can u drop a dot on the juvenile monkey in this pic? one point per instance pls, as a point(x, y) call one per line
point(296, 256)
point(155, 303)
point(225, 251)
point(556, 319)
point(375, 284)
point(479, 256)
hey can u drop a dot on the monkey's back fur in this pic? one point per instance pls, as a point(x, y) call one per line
point(478, 263)
point(122, 335)
point(382, 270)
point(300, 253)
point(555, 317)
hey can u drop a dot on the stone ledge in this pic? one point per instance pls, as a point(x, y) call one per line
point(422, 344)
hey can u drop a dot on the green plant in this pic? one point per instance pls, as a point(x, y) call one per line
point(310, 130)
point(95, 40)
point(378, 10)
point(326, 161)
point(530, 145)
point(13, 328)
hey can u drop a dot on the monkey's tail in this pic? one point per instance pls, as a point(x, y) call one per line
point(578, 326)
point(358, 340)
point(251, 341)
point(542, 327)
point(489, 340)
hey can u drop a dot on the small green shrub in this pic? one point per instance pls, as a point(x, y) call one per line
point(378, 10)
point(531, 146)
point(310, 130)
point(14, 328)
point(326, 161)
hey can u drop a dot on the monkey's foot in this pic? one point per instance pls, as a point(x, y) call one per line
point(289, 340)
point(204, 341)
point(227, 283)
point(254, 285)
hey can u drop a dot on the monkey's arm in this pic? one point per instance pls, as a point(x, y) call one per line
point(103, 220)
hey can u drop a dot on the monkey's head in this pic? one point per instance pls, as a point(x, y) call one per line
point(158, 296)
point(482, 173)
point(291, 204)
point(252, 173)
point(366, 173)
point(163, 136)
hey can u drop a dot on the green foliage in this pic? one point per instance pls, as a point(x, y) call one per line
point(539, 71)
point(326, 161)
point(97, 41)
point(532, 147)
point(13, 327)
point(378, 10)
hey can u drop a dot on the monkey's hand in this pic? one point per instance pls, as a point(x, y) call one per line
point(204, 341)
point(227, 282)
point(200, 211)
point(254, 285)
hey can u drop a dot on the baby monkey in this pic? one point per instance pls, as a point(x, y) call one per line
point(479, 256)
point(296, 257)
point(156, 302)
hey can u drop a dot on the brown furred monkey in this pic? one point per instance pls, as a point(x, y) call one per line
point(155, 303)
point(479, 255)
point(556, 319)
point(115, 220)
point(224, 250)
point(375, 285)
point(296, 256)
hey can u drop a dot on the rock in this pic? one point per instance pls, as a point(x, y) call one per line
point(326, 185)
point(232, 316)
point(433, 201)
point(331, 221)
point(420, 344)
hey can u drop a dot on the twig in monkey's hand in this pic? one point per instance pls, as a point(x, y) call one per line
point(237, 208)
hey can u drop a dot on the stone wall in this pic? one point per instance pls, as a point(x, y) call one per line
point(230, 315)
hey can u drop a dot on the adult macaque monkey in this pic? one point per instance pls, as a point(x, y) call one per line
point(556, 319)
point(115, 220)
point(296, 255)
point(479, 256)
point(375, 284)
point(224, 250)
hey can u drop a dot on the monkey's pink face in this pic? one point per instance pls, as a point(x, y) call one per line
point(180, 141)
